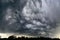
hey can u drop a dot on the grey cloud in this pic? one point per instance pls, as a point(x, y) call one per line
point(44, 12)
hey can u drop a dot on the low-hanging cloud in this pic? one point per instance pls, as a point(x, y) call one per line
point(38, 17)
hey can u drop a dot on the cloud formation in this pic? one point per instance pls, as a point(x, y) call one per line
point(33, 17)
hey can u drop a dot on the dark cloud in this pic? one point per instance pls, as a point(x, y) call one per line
point(33, 17)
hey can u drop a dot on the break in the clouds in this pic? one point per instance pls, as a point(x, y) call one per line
point(31, 17)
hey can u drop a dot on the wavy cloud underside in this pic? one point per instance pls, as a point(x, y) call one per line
point(31, 17)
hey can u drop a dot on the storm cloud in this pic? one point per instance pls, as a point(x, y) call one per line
point(32, 17)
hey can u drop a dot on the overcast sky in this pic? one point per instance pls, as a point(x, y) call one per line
point(30, 17)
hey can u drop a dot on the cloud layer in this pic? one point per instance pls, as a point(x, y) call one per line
point(33, 17)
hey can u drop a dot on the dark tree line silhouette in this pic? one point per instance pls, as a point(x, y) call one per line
point(26, 38)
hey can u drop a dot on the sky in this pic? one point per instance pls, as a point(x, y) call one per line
point(30, 17)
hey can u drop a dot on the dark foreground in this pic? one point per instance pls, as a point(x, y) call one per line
point(26, 38)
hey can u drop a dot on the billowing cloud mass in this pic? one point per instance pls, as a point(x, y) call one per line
point(31, 17)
